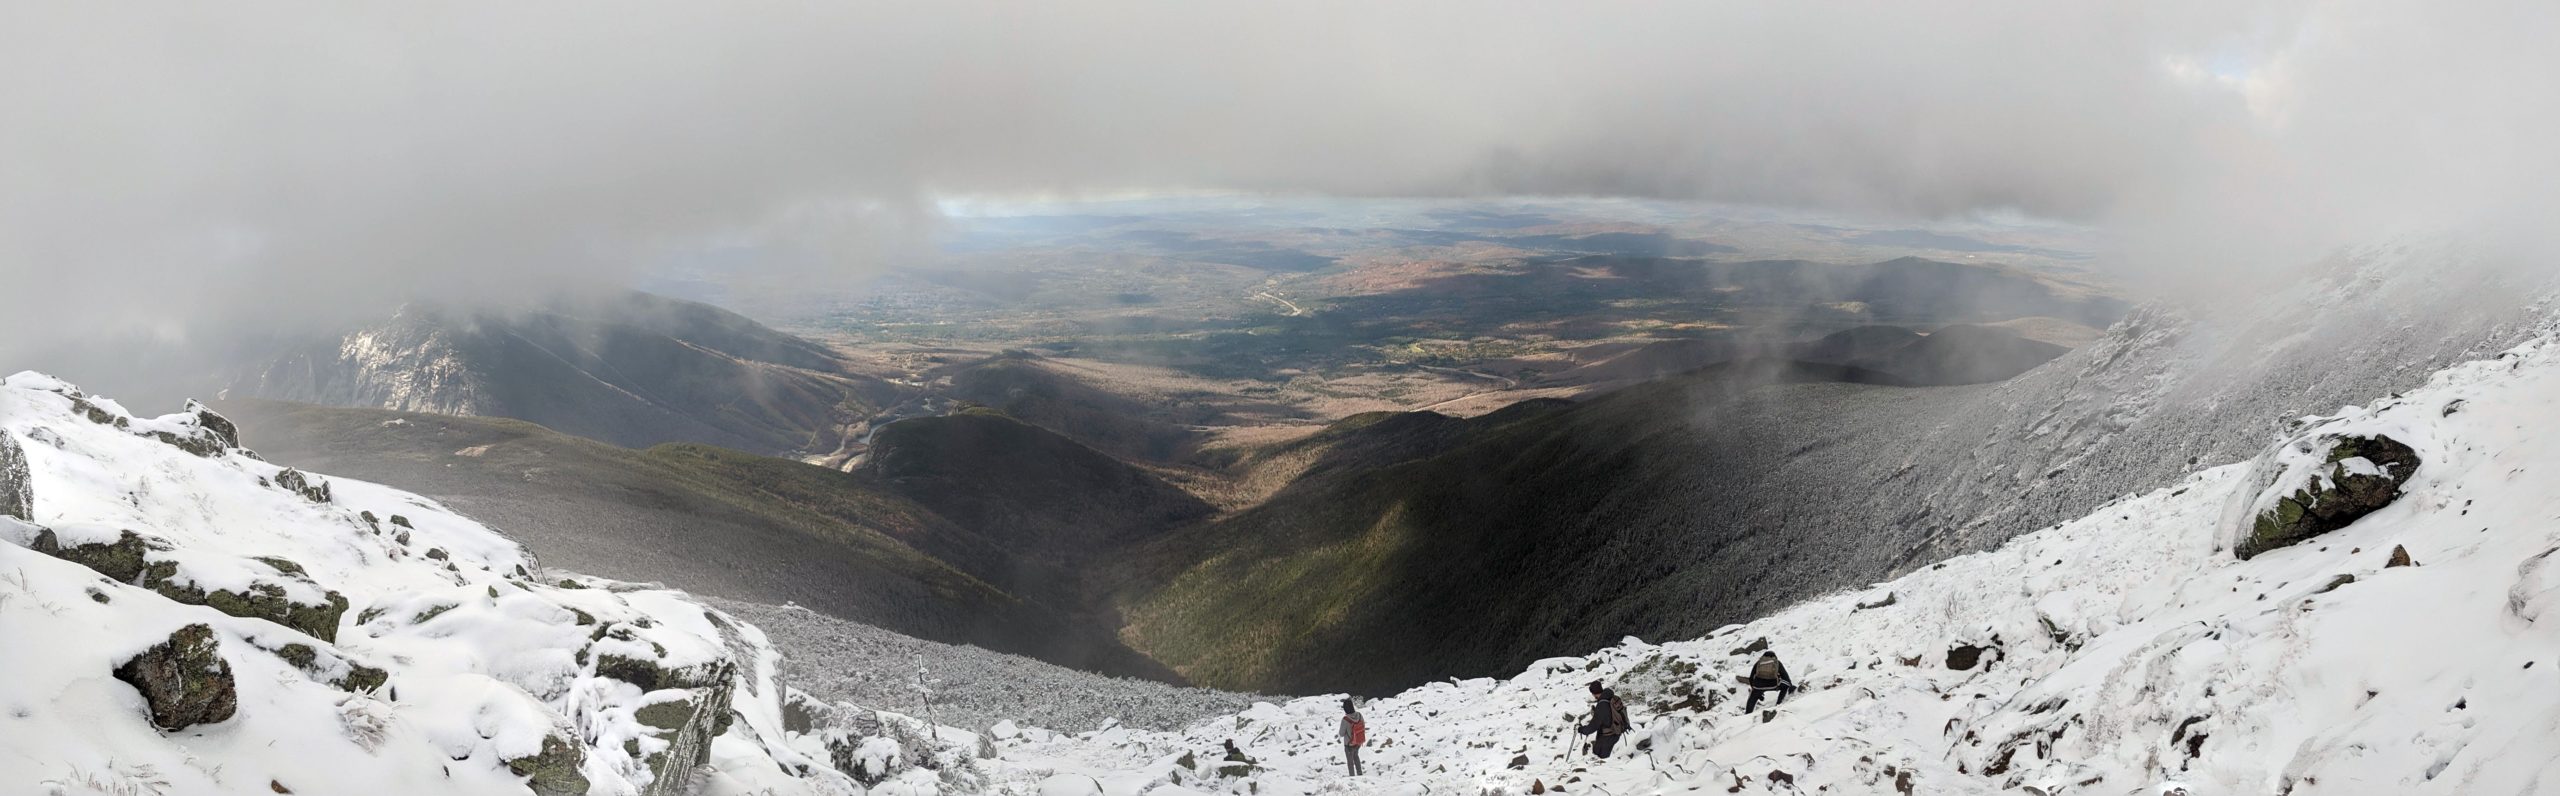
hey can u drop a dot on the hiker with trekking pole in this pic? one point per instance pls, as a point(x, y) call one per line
point(1608, 720)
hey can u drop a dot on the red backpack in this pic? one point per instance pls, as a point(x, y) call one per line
point(1359, 732)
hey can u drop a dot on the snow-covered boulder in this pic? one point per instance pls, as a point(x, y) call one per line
point(182, 617)
point(2319, 480)
point(183, 679)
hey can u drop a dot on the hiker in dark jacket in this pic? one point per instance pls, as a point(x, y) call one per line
point(1355, 734)
point(1237, 764)
point(1608, 720)
point(1768, 675)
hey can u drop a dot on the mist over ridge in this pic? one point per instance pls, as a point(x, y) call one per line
point(184, 173)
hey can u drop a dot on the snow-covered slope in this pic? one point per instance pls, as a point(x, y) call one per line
point(2128, 651)
point(177, 616)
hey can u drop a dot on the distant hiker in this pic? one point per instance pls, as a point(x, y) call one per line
point(1237, 763)
point(1355, 734)
point(1608, 720)
point(1768, 675)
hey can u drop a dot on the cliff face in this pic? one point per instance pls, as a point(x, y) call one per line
point(634, 370)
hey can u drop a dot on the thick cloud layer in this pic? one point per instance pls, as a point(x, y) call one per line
point(168, 168)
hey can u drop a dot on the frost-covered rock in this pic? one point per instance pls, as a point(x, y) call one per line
point(325, 651)
point(17, 497)
point(282, 593)
point(2320, 482)
point(184, 680)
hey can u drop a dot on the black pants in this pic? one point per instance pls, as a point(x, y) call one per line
point(1601, 744)
point(1351, 757)
point(1754, 704)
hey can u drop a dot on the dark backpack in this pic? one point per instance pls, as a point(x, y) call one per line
point(1617, 715)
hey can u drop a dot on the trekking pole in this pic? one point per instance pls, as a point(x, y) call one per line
point(1565, 755)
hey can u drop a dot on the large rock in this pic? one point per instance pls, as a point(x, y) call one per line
point(553, 771)
point(128, 560)
point(209, 433)
point(2324, 483)
point(17, 493)
point(184, 680)
point(687, 721)
point(312, 489)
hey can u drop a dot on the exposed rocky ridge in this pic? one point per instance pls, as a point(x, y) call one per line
point(462, 668)
point(633, 370)
point(1673, 508)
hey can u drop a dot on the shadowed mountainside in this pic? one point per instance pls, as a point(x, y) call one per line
point(1438, 548)
point(703, 519)
point(633, 369)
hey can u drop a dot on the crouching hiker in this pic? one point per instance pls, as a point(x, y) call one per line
point(1236, 764)
point(1768, 675)
point(1608, 720)
point(1355, 734)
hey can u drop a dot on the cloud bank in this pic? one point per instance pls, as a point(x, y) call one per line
point(168, 169)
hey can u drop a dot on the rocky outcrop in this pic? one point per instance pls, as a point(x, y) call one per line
point(2354, 476)
point(311, 489)
point(209, 433)
point(688, 706)
point(553, 771)
point(17, 493)
point(184, 680)
point(356, 678)
point(687, 721)
point(128, 560)
point(220, 428)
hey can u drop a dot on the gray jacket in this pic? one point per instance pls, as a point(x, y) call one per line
point(1347, 719)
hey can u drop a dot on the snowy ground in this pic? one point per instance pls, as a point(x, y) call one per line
point(2120, 652)
point(841, 661)
point(456, 666)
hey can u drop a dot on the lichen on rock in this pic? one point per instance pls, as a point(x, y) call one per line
point(184, 680)
point(553, 771)
point(128, 560)
point(2321, 483)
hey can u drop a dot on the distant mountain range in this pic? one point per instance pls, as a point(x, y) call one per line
point(633, 369)
point(1019, 508)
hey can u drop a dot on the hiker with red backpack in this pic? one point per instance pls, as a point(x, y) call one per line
point(1608, 720)
point(1355, 734)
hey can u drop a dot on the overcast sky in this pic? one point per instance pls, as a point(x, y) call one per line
point(169, 166)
